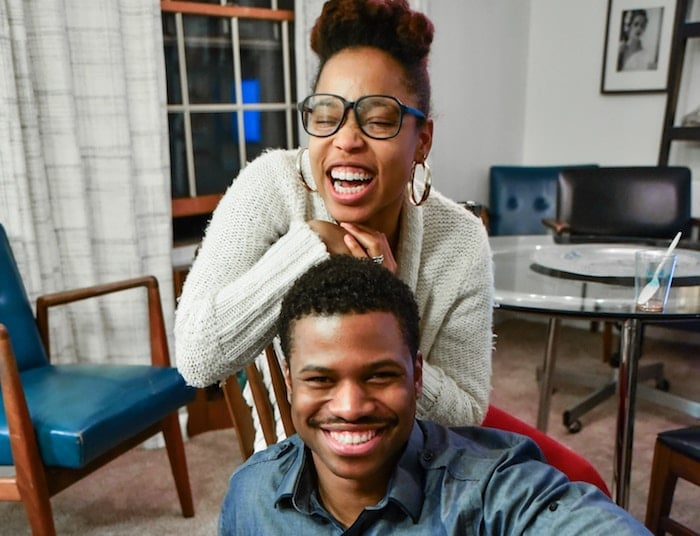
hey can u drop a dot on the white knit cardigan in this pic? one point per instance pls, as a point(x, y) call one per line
point(258, 243)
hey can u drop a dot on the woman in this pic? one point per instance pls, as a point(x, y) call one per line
point(353, 192)
point(632, 55)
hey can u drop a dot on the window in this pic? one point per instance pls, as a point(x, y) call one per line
point(229, 73)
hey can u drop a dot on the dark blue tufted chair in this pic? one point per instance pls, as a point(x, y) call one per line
point(58, 423)
point(520, 197)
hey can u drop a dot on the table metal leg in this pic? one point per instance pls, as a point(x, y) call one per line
point(550, 358)
point(626, 393)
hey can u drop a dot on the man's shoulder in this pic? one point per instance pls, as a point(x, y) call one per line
point(475, 451)
point(272, 461)
point(477, 437)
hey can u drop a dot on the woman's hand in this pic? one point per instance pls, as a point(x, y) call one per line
point(332, 236)
point(364, 242)
point(356, 240)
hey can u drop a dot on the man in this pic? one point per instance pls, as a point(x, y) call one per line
point(361, 463)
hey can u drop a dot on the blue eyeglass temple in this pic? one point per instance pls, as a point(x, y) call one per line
point(412, 111)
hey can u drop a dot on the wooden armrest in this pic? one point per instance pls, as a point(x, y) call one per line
point(558, 227)
point(159, 344)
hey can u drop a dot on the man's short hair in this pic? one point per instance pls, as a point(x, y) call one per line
point(345, 285)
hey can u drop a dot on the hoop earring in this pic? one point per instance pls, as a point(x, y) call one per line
point(426, 187)
point(300, 174)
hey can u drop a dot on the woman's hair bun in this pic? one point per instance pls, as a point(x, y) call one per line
point(390, 25)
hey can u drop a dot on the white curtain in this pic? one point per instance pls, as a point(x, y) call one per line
point(84, 165)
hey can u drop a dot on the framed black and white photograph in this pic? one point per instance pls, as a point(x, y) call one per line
point(637, 45)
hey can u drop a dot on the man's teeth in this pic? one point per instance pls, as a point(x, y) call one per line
point(353, 438)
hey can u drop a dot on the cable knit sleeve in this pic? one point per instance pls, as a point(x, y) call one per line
point(247, 261)
point(454, 289)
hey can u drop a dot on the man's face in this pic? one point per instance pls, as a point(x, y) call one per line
point(353, 388)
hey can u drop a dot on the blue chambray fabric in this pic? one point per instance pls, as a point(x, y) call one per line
point(467, 480)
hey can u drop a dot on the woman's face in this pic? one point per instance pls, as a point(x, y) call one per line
point(637, 27)
point(363, 180)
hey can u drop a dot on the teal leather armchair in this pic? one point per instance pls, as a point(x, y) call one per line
point(58, 423)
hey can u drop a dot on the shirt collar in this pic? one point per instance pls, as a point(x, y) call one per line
point(297, 487)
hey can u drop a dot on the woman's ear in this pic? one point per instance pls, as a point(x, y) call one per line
point(425, 141)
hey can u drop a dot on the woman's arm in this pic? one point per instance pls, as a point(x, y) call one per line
point(256, 245)
point(457, 333)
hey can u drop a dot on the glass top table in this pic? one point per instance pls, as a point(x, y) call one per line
point(534, 274)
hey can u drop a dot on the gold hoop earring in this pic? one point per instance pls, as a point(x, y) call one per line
point(300, 173)
point(427, 180)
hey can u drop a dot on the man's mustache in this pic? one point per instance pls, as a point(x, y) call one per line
point(367, 420)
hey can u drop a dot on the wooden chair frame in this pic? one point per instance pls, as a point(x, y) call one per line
point(34, 483)
point(667, 467)
point(240, 411)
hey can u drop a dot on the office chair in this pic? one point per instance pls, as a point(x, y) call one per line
point(520, 197)
point(573, 465)
point(639, 205)
point(645, 205)
point(676, 455)
point(59, 423)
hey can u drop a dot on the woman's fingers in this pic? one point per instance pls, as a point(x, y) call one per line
point(368, 243)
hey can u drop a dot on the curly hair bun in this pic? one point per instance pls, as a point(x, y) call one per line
point(390, 25)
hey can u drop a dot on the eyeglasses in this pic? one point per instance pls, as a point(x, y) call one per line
point(378, 116)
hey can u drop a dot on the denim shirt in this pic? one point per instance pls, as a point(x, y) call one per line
point(468, 480)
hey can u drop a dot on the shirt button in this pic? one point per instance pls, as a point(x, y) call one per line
point(427, 456)
point(553, 507)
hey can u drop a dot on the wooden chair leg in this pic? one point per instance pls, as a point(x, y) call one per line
point(661, 488)
point(240, 414)
point(178, 463)
point(30, 482)
point(608, 338)
point(38, 507)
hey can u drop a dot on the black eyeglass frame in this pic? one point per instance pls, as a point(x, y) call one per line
point(347, 105)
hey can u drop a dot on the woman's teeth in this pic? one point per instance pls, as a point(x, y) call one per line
point(349, 182)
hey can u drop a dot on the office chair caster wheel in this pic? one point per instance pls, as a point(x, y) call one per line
point(663, 385)
point(574, 427)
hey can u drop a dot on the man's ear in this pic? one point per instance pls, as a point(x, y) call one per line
point(288, 380)
point(418, 373)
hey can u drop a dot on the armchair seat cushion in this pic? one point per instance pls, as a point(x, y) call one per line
point(79, 411)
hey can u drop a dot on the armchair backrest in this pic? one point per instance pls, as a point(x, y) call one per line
point(625, 202)
point(16, 312)
point(520, 197)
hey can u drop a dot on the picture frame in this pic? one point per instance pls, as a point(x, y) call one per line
point(638, 37)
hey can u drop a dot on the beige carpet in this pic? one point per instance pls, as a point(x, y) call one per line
point(136, 495)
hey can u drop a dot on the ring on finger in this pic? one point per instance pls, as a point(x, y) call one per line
point(379, 259)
